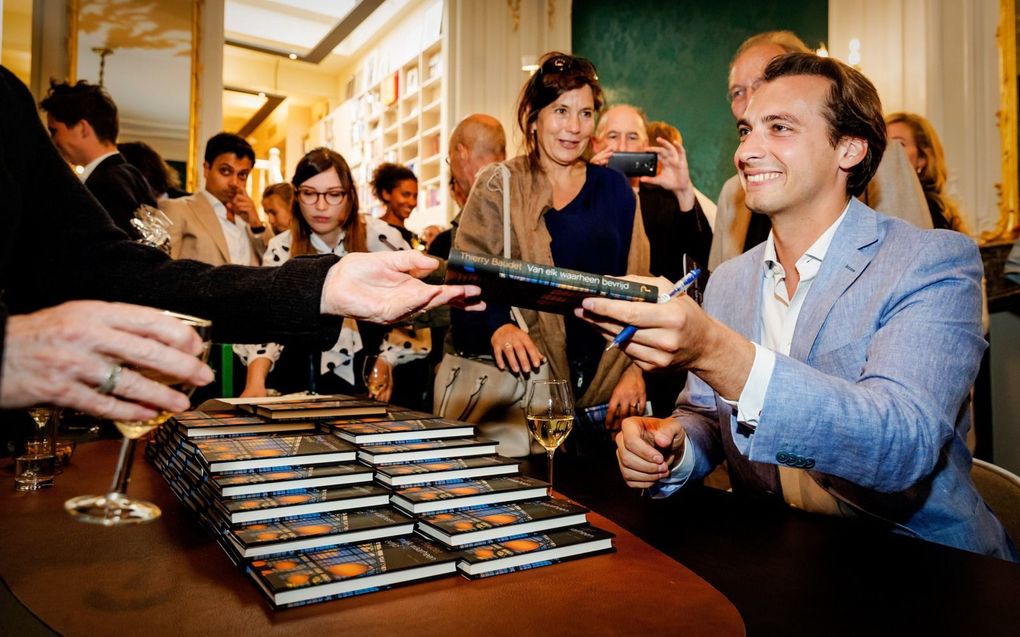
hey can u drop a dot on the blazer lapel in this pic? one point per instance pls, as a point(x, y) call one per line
point(207, 217)
point(844, 262)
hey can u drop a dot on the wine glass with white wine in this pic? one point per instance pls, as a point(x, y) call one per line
point(115, 508)
point(550, 414)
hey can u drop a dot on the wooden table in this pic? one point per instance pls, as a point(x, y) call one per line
point(170, 577)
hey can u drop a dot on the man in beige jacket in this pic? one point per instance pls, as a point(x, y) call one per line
point(219, 224)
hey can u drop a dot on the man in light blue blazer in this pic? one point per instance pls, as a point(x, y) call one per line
point(832, 364)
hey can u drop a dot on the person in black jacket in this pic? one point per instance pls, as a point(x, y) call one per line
point(82, 119)
point(60, 245)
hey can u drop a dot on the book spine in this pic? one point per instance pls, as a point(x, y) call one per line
point(551, 276)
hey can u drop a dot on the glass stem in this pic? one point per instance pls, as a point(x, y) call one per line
point(549, 453)
point(122, 475)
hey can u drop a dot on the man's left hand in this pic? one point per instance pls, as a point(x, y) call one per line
point(628, 398)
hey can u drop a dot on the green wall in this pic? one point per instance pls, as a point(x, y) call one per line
point(672, 58)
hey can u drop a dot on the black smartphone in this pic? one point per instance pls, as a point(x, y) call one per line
point(635, 164)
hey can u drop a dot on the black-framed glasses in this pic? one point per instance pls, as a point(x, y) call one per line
point(310, 197)
point(568, 63)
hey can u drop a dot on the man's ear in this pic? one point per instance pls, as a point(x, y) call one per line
point(852, 151)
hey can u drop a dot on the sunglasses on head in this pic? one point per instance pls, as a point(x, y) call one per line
point(568, 63)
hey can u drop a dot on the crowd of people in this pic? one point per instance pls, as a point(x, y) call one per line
point(800, 371)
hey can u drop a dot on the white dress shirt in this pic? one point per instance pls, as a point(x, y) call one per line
point(779, 314)
point(235, 232)
point(91, 166)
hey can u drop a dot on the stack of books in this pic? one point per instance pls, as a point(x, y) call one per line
point(471, 500)
point(328, 506)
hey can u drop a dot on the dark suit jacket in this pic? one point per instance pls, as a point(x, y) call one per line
point(87, 257)
point(121, 189)
point(672, 233)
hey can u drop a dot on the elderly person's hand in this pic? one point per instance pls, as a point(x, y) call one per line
point(383, 287)
point(92, 356)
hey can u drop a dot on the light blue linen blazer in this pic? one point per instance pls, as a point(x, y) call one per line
point(872, 399)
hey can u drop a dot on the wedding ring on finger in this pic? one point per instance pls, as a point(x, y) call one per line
point(110, 383)
point(507, 346)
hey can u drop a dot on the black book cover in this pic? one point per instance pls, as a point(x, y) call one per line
point(317, 531)
point(301, 502)
point(529, 551)
point(349, 570)
point(536, 286)
point(479, 524)
point(361, 433)
point(258, 452)
point(426, 450)
point(425, 471)
point(235, 483)
point(464, 493)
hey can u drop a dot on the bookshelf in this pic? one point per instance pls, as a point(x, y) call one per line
point(396, 116)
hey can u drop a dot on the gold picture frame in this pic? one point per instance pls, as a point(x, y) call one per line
point(197, 7)
point(1009, 207)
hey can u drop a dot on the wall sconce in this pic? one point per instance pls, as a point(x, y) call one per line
point(854, 59)
point(822, 51)
point(529, 64)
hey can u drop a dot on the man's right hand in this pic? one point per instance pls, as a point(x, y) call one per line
point(647, 447)
point(61, 355)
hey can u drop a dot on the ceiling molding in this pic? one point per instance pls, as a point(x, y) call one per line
point(270, 105)
point(330, 41)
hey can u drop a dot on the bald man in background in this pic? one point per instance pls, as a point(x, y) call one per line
point(477, 141)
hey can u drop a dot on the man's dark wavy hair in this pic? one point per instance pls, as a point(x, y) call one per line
point(852, 108)
point(70, 103)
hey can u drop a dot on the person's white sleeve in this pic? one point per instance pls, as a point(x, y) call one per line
point(752, 398)
point(248, 353)
point(678, 476)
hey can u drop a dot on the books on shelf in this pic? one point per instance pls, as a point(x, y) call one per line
point(362, 433)
point(316, 531)
point(296, 579)
point(397, 475)
point(529, 551)
point(301, 502)
point(235, 483)
point(260, 452)
point(465, 493)
point(426, 450)
point(536, 286)
point(481, 524)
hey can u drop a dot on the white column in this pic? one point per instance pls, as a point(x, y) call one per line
point(936, 58)
point(210, 78)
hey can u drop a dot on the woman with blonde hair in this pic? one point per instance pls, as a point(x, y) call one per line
point(924, 152)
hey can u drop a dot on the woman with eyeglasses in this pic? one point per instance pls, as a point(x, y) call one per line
point(325, 221)
point(563, 212)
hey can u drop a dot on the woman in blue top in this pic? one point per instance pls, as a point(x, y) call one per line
point(564, 212)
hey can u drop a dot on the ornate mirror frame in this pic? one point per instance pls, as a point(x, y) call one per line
point(73, 13)
point(1009, 207)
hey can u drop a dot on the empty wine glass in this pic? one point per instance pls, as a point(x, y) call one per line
point(115, 508)
point(550, 414)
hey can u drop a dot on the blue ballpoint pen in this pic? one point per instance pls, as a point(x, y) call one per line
point(677, 290)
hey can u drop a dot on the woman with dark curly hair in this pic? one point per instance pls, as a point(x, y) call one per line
point(396, 187)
